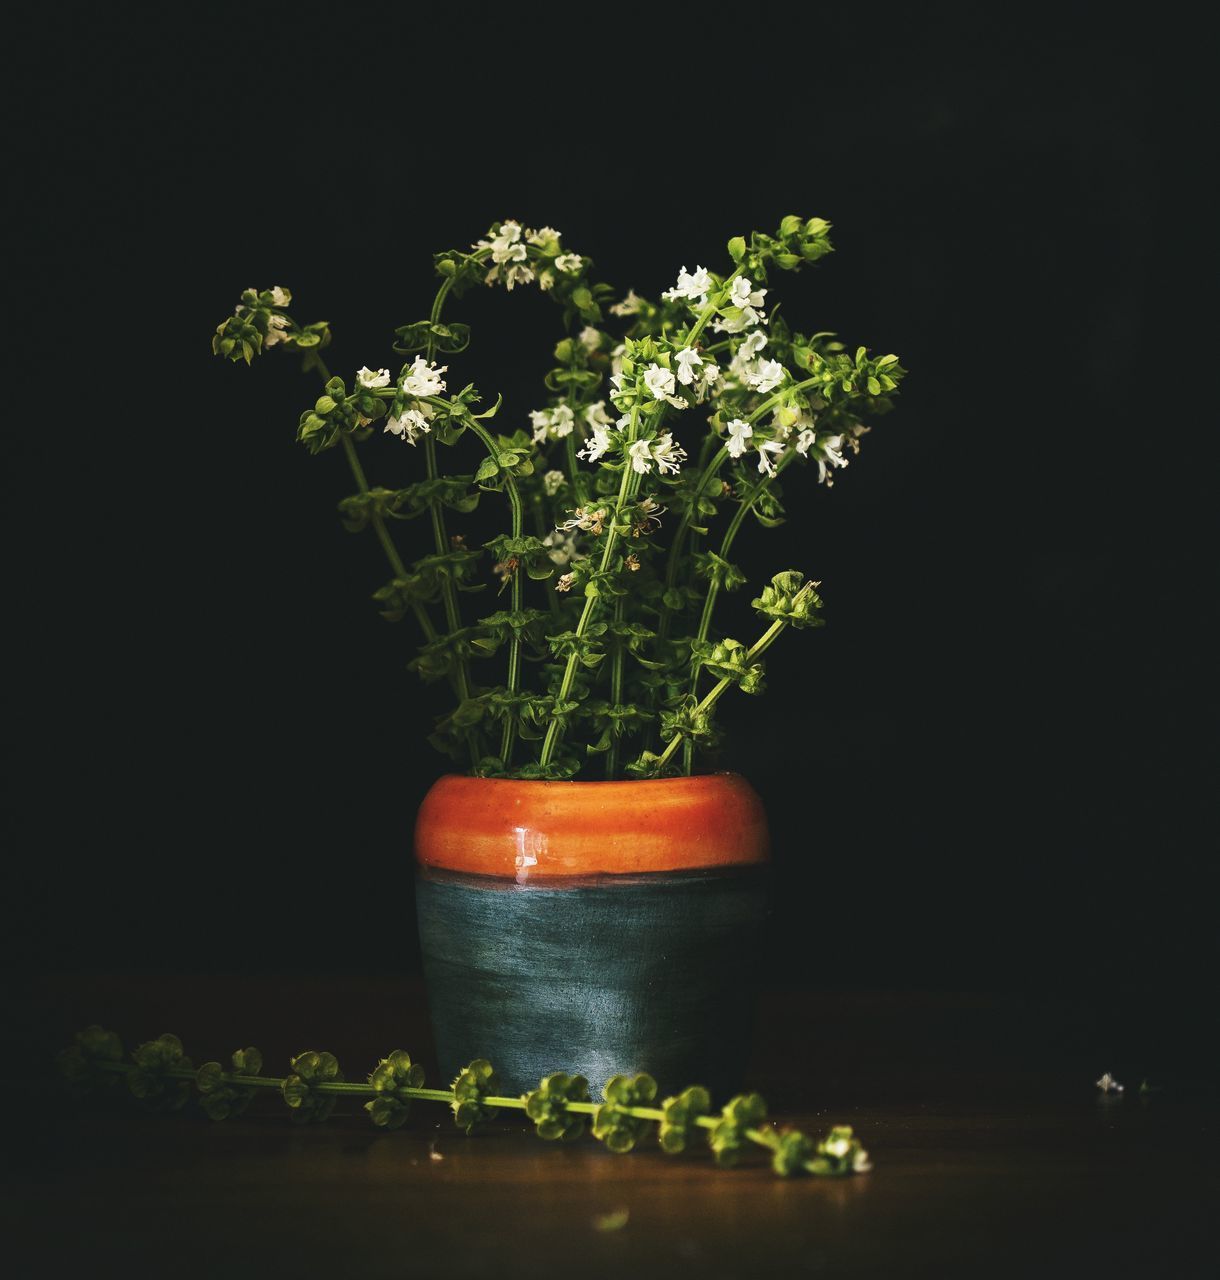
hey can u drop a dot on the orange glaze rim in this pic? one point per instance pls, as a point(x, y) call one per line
point(534, 830)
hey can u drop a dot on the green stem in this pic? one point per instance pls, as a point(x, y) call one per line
point(709, 472)
point(616, 692)
point(767, 1138)
point(626, 488)
point(440, 535)
point(760, 646)
point(575, 476)
point(377, 520)
point(509, 735)
point(540, 527)
point(453, 618)
point(383, 536)
point(730, 534)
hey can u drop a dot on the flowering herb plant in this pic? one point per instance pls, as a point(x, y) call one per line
point(666, 424)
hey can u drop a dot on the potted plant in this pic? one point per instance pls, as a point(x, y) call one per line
point(587, 892)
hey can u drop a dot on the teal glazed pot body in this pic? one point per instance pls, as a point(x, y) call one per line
point(598, 927)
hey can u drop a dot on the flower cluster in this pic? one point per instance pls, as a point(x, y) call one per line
point(153, 1079)
point(394, 1078)
point(613, 1122)
point(701, 404)
point(547, 1106)
point(474, 1084)
point(309, 1103)
point(219, 1094)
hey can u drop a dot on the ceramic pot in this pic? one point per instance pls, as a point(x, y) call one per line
point(592, 927)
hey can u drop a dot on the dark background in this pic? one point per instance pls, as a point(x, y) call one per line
point(988, 771)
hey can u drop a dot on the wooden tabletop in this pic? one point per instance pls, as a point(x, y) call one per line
point(989, 1160)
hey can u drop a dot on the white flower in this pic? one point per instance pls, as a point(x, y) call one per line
point(543, 236)
point(659, 381)
point(587, 521)
point(506, 245)
point(736, 323)
point(590, 338)
point(367, 378)
point(751, 344)
point(540, 420)
point(629, 306)
point(280, 297)
point(693, 287)
point(740, 432)
point(649, 517)
point(744, 299)
point(668, 455)
point(564, 583)
point(569, 262)
point(825, 450)
point(641, 457)
point(597, 444)
point(745, 359)
point(787, 419)
point(689, 361)
point(410, 425)
point(423, 379)
point(766, 463)
point(1108, 1084)
point(767, 375)
point(561, 547)
point(514, 273)
point(552, 423)
point(596, 416)
point(832, 446)
point(616, 359)
point(552, 482)
point(274, 324)
point(709, 376)
point(562, 421)
point(743, 294)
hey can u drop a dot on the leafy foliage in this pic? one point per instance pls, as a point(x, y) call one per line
point(613, 1123)
point(219, 1096)
point(547, 1106)
point(393, 1079)
point(307, 1102)
point(474, 1084)
point(663, 422)
point(161, 1074)
point(153, 1081)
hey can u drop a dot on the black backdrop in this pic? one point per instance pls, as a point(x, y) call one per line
point(987, 770)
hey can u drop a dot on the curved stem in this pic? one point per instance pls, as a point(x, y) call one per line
point(709, 472)
point(713, 590)
point(760, 646)
point(377, 519)
point(726, 544)
point(383, 536)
